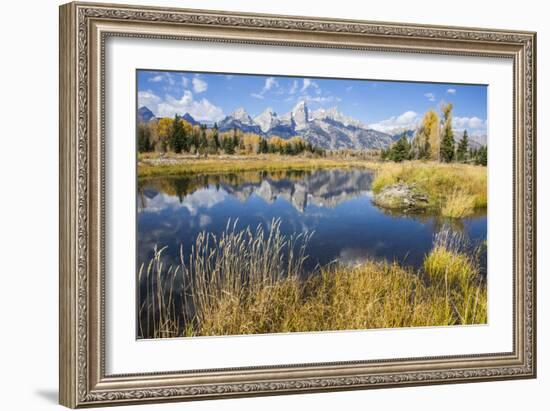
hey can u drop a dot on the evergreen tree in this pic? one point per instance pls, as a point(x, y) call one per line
point(177, 139)
point(447, 148)
point(473, 153)
point(481, 156)
point(263, 148)
point(462, 149)
point(212, 146)
point(400, 150)
point(144, 138)
point(203, 142)
point(235, 139)
point(215, 136)
point(229, 145)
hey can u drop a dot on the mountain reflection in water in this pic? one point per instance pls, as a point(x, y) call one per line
point(334, 204)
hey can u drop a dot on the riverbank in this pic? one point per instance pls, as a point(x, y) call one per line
point(175, 165)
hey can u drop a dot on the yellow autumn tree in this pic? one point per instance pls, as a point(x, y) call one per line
point(251, 143)
point(164, 128)
point(277, 143)
point(298, 144)
point(430, 125)
point(187, 127)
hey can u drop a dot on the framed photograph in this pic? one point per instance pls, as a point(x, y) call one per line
point(258, 204)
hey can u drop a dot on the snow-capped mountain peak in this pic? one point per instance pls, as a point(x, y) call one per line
point(334, 114)
point(241, 115)
point(267, 119)
point(300, 115)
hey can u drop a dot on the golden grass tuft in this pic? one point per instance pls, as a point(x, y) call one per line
point(458, 204)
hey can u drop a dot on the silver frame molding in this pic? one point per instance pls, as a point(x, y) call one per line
point(84, 28)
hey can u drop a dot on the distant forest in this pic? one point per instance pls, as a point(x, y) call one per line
point(179, 136)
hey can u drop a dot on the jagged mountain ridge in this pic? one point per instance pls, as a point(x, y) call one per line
point(329, 129)
point(325, 128)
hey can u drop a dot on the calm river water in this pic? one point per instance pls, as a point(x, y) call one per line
point(335, 204)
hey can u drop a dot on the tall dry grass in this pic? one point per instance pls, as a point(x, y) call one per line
point(250, 282)
point(453, 266)
point(458, 204)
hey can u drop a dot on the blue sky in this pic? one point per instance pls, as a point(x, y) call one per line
point(383, 105)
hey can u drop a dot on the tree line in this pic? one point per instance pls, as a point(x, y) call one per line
point(434, 140)
point(179, 136)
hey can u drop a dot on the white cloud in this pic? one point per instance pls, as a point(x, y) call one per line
point(320, 99)
point(430, 96)
point(270, 82)
point(229, 76)
point(149, 99)
point(199, 85)
point(204, 220)
point(348, 89)
point(203, 198)
point(309, 92)
point(406, 121)
point(294, 87)
point(171, 81)
point(470, 123)
point(451, 90)
point(168, 106)
point(407, 117)
point(168, 78)
point(157, 78)
point(307, 83)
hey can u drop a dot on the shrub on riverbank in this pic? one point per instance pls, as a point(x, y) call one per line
point(249, 282)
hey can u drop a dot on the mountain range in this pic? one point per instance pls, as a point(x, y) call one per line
point(326, 128)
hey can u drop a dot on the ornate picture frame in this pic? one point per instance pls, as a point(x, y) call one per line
point(84, 29)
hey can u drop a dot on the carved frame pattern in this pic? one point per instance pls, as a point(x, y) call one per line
point(81, 317)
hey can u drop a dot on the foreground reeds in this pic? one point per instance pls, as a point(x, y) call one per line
point(250, 282)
